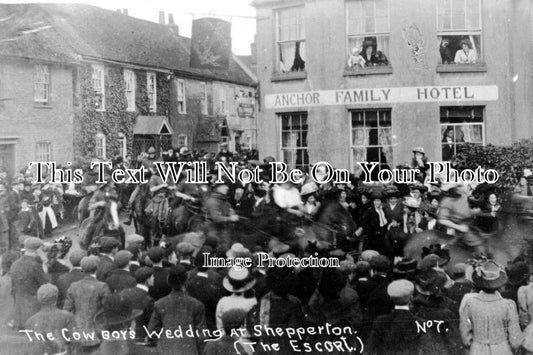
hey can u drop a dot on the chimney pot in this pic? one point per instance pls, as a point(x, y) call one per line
point(125, 12)
point(171, 20)
point(161, 17)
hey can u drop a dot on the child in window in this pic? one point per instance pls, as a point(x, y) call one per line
point(355, 59)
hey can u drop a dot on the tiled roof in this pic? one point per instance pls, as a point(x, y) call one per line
point(68, 31)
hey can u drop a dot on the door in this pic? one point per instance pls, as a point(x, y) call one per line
point(7, 158)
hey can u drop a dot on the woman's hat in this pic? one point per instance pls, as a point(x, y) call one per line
point(450, 189)
point(116, 310)
point(430, 210)
point(436, 250)
point(238, 250)
point(489, 275)
point(309, 188)
point(430, 281)
point(238, 280)
point(376, 195)
point(405, 266)
point(392, 191)
point(419, 150)
point(411, 202)
point(419, 187)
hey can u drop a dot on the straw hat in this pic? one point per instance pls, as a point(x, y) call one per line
point(238, 280)
point(489, 275)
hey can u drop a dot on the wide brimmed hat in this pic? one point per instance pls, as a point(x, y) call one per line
point(116, 310)
point(405, 266)
point(309, 188)
point(411, 202)
point(436, 249)
point(418, 186)
point(450, 189)
point(377, 195)
point(238, 280)
point(489, 275)
point(518, 273)
point(392, 191)
point(419, 150)
point(238, 250)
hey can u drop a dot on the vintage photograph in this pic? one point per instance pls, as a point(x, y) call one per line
point(266, 177)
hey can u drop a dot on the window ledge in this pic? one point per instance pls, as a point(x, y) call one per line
point(461, 68)
point(384, 69)
point(42, 106)
point(294, 75)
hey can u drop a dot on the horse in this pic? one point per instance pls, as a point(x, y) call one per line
point(139, 216)
point(83, 208)
point(505, 244)
point(105, 223)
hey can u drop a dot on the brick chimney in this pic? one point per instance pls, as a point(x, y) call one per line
point(125, 12)
point(171, 20)
point(161, 17)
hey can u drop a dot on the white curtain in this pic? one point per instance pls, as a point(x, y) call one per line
point(385, 141)
point(302, 51)
point(383, 45)
point(288, 52)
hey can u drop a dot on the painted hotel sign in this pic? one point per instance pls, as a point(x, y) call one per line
point(457, 94)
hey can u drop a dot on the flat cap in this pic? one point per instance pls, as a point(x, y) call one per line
point(156, 254)
point(122, 258)
point(400, 288)
point(185, 248)
point(380, 263)
point(108, 243)
point(47, 293)
point(76, 256)
point(367, 255)
point(89, 264)
point(143, 273)
point(32, 243)
point(134, 238)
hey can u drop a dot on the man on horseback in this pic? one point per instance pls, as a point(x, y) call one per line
point(219, 212)
point(454, 216)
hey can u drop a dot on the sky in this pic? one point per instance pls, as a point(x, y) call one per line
point(243, 29)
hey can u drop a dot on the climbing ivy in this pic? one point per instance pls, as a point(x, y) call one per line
point(115, 119)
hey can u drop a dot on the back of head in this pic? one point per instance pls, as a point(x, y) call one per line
point(400, 291)
point(380, 263)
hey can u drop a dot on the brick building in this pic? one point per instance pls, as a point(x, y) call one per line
point(78, 82)
point(367, 80)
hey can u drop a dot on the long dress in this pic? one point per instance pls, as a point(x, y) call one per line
point(489, 324)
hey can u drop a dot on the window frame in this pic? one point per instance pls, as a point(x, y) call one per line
point(100, 137)
point(185, 139)
point(181, 98)
point(130, 94)
point(280, 115)
point(152, 95)
point(278, 41)
point(353, 147)
point(376, 34)
point(459, 124)
point(38, 151)
point(45, 83)
point(463, 32)
point(123, 144)
point(222, 101)
point(99, 68)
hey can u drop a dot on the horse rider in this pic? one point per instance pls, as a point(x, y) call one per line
point(218, 211)
point(454, 216)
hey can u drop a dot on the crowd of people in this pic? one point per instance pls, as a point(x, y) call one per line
point(141, 294)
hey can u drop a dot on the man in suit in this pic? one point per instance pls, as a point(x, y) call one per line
point(27, 275)
point(178, 310)
point(75, 274)
point(108, 248)
point(375, 224)
point(160, 288)
point(379, 302)
point(396, 332)
point(139, 298)
point(84, 299)
point(184, 252)
point(120, 278)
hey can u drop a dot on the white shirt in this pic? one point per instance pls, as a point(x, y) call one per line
point(230, 302)
point(143, 287)
point(462, 57)
point(286, 197)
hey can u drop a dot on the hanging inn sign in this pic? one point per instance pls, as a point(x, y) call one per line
point(456, 94)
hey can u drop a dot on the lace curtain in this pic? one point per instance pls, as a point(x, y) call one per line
point(385, 140)
point(287, 54)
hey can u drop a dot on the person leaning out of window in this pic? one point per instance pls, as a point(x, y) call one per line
point(466, 55)
point(523, 188)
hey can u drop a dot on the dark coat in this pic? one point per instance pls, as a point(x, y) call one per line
point(172, 312)
point(207, 290)
point(396, 334)
point(119, 280)
point(105, 266)
point(84, 299)
point(379, 302)
point(139, 299)
point(393, 214)
point(27, 275)
point(160, 288)
point(55, 270)
point(375, 233)
point(50, 320)
point(63, 283)
point(459, 289)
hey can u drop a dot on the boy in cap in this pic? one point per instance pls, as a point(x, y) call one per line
point(160, 288)
point(75, 274)
point(184, 251)
point(120, 278)
point(178, 310)
point(27, 275)
point(108, 248)
point(51, 320)
point(139, 298)
point(84, 299)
